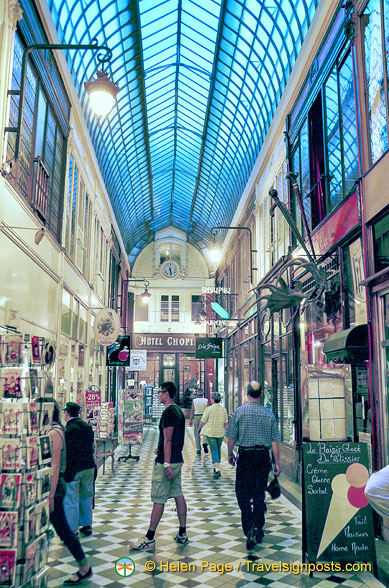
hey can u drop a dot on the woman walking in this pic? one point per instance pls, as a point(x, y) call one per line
point(214, 423)
point(57, 493)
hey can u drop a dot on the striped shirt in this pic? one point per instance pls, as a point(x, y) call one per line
point(214, 418)
point(252, 424)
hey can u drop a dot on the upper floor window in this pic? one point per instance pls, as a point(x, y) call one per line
point(38, 172)
point(375, 34)
point(196, 307)
point(170, 308)
point(169, 252)
point(325, 152)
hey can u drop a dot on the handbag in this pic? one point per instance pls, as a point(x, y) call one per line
point(274, 488)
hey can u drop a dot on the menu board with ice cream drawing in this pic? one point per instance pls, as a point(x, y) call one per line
point(338, 518)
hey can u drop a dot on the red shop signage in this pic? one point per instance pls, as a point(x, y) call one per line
point(337, 226)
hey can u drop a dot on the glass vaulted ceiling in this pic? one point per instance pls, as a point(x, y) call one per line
point(200, 81)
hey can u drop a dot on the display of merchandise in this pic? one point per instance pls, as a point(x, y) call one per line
point(130, 416)
point(22, 369)
point(157, 408)
point(148, 401)
point(106, 421)
point(25, 483)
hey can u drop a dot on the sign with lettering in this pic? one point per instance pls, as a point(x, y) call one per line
point(165, 342)
point(337, 226)
point(209, 347)
point(338, 519)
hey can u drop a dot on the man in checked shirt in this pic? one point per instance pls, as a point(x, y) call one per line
point(254, 429)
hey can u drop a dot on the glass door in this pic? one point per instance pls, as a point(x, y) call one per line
point(383, 320)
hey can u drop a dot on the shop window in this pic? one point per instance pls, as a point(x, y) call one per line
point(141, 309)
point(355, 294)
point(381, 244)
point(325, 152)
point(196, 308)
point(376, 68)
point(66, 314)
point(38, 173)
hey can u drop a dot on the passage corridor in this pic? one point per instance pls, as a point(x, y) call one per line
point(122, 513)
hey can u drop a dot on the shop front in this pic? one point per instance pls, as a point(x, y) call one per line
point(171, 357)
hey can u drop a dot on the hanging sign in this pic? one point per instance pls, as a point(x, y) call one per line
point(138, 360)
point(209, 347)
point(338, 522)
point(118, 354)
point(106, 326)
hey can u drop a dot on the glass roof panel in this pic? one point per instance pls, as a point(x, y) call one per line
point(199, 86)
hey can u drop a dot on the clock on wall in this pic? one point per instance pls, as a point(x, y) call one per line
point(170, 269)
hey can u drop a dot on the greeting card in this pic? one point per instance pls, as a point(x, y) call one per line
point(13, 454)
point(44, 482)
point(43, 516)
point(7, 567)
point(33, 425)
point(45, 450)
point(8, 529)
point(42, 553)
point(40, 579)
point(11, 382)
point(13, 418)
point(13, 348)
point(10, 490)
point(32, 452)
point(35, 350)
point(30, 564)
point(30, 488)
point(34, 382)
point(46, 416)
point(31, 528)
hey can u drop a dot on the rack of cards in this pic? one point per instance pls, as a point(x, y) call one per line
point(25, 482)
point(106, 420)
point(157, 408)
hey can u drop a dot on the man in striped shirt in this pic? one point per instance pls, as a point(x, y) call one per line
point(254, 429)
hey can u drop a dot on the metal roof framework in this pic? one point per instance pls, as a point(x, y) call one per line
point(199, 81)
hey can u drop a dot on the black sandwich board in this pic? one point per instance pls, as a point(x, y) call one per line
point(337, 518)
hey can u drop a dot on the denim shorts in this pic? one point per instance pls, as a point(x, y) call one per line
point(161, 488)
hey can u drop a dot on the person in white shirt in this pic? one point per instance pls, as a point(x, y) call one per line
point(199, 404)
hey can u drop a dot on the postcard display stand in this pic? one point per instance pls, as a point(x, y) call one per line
point(22, 367)
point(24, 492)
point(130, 420)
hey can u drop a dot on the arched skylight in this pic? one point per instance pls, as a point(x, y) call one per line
point(199, 82)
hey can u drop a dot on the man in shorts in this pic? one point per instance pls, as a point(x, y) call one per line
point(166, 480)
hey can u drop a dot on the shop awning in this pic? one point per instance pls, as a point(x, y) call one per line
point(349, 346)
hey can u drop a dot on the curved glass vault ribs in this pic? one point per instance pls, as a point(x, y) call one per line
point(199, 85)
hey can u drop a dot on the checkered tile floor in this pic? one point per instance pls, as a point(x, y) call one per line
point(122, 514)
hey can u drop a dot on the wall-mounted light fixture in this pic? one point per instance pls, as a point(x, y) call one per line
point(216, 257)
point(146, 294)
point(39, 234)
point(102, 86)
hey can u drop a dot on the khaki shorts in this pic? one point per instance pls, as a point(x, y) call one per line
point(161, 488)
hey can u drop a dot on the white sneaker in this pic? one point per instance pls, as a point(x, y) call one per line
point(142, 544)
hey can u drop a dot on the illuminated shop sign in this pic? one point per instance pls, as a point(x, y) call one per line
point(183, 342)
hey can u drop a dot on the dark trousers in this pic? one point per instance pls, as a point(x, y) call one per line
point(60, 524)
point(252, 473)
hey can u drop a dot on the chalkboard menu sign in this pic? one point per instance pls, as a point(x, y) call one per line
point(337, 518)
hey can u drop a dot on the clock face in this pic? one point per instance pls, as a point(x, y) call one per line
point(170, 269)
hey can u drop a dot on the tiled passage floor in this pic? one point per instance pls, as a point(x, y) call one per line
point(122, 513)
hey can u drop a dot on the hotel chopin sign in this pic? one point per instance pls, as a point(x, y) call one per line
point(182, 342)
